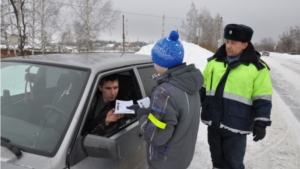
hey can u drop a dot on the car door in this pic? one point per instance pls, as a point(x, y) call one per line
point(147, 75)
point(124, 148)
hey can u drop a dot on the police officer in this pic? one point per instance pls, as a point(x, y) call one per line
point(236, 97)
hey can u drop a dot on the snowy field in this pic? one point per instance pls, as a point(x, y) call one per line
point(280, 149)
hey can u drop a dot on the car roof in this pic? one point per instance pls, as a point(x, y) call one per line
point(94, 61)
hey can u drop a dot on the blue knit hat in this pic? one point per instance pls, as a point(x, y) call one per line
point(168, 51)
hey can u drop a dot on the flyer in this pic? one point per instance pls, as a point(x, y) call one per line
point(121, 107)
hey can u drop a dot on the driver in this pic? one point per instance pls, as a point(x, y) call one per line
point(103, 117)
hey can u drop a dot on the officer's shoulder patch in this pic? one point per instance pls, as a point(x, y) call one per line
point(265, 64)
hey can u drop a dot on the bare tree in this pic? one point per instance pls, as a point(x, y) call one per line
point(207, 24)
point(94, 17)
point(66, 36)
point(295, 33)
point(267, 44)
point(4, 26)
point(12, 28)
point(286, 40)
point(48, 15)
point(189, 27)
point(79, 36)
point(20, 12)
point(211, 28)
point(33, 27)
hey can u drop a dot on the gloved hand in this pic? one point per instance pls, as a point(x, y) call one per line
point(139, 111)
point(259, 132)
point(134, 107)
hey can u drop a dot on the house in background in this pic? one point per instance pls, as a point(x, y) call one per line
point(4, 51)
point(110, 47)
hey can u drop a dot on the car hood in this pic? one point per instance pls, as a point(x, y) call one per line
point(7, 160)
point(12, 166)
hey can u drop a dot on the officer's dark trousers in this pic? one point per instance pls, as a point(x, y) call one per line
point(227, 148)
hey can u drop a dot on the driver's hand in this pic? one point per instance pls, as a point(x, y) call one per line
point(111, 117)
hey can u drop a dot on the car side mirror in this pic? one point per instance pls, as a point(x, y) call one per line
point(101, 147)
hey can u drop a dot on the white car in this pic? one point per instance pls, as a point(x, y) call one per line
point(45, 102)
point(265, 53)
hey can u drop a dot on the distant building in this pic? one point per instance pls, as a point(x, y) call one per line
point(4, 51)
point(110, 47)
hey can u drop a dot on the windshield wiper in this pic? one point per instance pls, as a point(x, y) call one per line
point(6, 143)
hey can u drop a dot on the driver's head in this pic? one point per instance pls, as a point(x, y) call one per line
point(109, 86)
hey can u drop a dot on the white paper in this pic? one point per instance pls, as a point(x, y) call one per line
point(145, 102)
point(121, 105)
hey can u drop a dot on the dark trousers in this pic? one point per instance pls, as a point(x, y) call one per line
point(227, 149)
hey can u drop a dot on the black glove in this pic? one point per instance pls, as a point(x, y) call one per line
point(134, 107)
point(259, 132)
point(139, 111)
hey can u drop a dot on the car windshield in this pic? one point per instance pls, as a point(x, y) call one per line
point(38, 103)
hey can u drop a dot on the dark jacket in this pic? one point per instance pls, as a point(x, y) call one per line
point(97, 116)
point(237, 95)
point(174, 102)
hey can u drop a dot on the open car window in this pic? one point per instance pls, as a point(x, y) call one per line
point(128, 90)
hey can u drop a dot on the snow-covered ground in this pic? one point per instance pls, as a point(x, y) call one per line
point(280, 149)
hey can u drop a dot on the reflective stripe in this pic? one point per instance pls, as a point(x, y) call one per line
point(156, 122)
point(235, 130)
point(237, 98)
point(264, 97)
point(262, 119)
point(210, 93)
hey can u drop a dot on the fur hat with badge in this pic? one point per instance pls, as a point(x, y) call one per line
point(238, 32)
point(168, 51)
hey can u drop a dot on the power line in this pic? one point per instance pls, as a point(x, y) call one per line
point(131, 13)
point(150, 15)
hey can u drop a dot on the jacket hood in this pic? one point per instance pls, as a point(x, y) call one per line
point(249, 55)
point(186, 77)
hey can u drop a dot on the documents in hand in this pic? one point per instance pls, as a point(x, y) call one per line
point(121, 107)
point(145, 102)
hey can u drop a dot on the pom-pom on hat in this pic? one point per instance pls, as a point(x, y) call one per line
point(237, 32)
point(168, 51)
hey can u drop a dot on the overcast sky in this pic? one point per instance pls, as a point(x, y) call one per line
point(268, 18)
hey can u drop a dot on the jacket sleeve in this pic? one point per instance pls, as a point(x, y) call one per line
point(158, 127)
point(202, 91)
point(262, 98)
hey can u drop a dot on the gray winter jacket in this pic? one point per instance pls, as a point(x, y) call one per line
point(172, 126)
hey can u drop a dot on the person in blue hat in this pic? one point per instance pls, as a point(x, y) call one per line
point(170, 124)
point(236, 98)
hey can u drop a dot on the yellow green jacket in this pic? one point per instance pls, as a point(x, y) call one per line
point(238, 95)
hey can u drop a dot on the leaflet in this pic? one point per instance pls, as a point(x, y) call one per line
point(145, 102)
point(121, 107)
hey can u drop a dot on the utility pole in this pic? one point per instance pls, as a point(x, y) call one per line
point(163, 26)
point(222, 32)
point(123, 36)
point(127, 31)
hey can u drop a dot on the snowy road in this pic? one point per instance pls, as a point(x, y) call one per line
point(285, 74)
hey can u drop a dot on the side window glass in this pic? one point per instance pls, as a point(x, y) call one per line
point(148, 75)
point(109, 88)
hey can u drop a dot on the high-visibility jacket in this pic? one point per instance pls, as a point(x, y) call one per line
point(237, 95)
